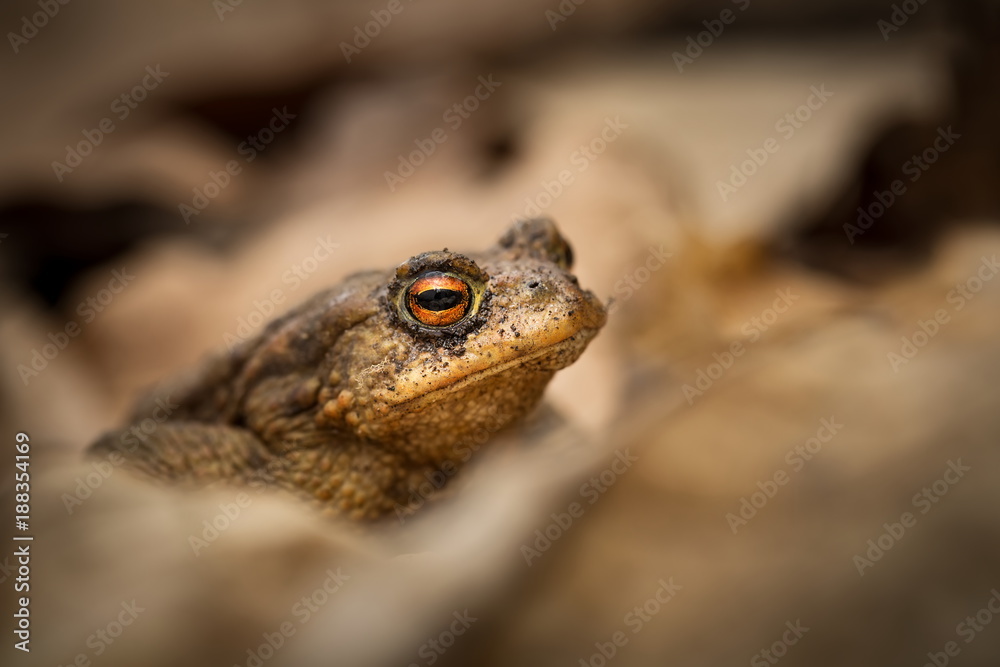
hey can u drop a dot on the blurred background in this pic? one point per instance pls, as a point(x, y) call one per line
point(793, 205)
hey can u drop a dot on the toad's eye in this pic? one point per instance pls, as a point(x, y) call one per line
point(438, 300)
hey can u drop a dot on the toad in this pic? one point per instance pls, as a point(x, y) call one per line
point(358, 396)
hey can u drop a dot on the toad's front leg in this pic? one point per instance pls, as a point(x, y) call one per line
point(190, 452)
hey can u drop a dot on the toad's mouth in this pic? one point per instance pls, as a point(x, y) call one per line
point(428, 390)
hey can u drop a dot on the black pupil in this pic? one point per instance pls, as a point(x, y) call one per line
point(439, 299)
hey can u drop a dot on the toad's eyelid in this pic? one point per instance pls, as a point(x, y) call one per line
point(439, 295)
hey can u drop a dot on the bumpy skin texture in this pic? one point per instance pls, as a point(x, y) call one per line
point(352, 401)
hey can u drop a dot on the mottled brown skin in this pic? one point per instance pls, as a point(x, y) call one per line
point(352, 401)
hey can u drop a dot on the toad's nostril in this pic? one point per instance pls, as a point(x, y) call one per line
point(533, 284)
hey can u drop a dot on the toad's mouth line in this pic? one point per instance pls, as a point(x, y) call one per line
point(438, 392)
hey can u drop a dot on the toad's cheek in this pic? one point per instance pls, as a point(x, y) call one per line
point(455, 375)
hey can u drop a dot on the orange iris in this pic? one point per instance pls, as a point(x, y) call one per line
point(438, 300)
